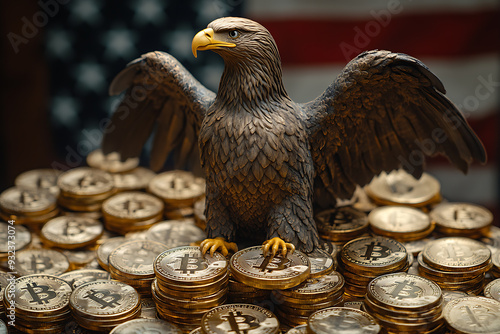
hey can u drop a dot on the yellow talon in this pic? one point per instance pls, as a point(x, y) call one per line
point(275, 244)
point(217, 243)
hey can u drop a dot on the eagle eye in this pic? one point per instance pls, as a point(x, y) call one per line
point(234, 34)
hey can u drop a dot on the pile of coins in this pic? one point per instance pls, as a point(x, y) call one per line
point(102, 305)
point(401, 223)
point(472, 315)
point(295, 305)
point(405, 303)
point(132, 263)
point(71, 232)
point(363, 259)
point(84, 189)
point(341, 225)
point(179, 190)
point(131, 211)
point(41, 303)
point(462, 219)
point(341, 320)
point(27, 205)
point(456, 263)
point(188, 284)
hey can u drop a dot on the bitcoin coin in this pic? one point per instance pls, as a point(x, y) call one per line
point(449, 295)
point(106, 248)
point(85, 182)
point(146, 326)
point(341, 224)
point(134, 259)
point(238, 318)
point(461, 219)
point(44, 179)
point(132, 205)
point(400, 222)
point(473, 315)
point(41, 261)
point(319, 287)
point(25, 201)
point(176, 233)
point(71, 232)
point(136, 179)
point(177, 188)
point(321, 262)
point(342, 320)
point(111, 162)
point(80, 258)
point(251, 267)
point(79, 277)
point(492, 290)
point(13, 237)
point(456, 254)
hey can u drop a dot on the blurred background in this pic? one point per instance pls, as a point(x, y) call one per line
point(59, 56)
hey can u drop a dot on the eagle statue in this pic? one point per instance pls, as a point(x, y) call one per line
point(267, 159)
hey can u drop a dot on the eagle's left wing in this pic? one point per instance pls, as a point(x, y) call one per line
point(384, 111)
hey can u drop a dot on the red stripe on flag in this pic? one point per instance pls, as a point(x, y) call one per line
point(307, 41)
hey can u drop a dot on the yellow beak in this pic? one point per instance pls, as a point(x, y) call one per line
point(204, 40)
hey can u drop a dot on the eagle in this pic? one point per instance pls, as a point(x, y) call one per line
point(268, 161)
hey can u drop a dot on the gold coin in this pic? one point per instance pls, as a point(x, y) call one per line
point(177, 187)
point(13, 238)
point(187, 266)
point(342, 320)
point(399, 221)
point(399, 187)
point(404, 291)
point(5, 279)
point(449, 295)
point(473, 315)
point(175, 233)
point(41, 261)
point(134, 259)
point(322, 263)
point(136, 179)
point(104, 300)
point(492, 290)
point(132, 205)
point(71, 232)
point(45, 179)
point(251, 267)
point(461, 217)
point(452, 276)
point(251, 319)
point(317, 287)
point(456, 254)
point(156, 326)
point(106, 248)
point(79, 258)
point(341, 224)
point(79, 277)
point(111, 162)
point(25, 201)
point(85, 182)
point(379, 254)
point(301, 329)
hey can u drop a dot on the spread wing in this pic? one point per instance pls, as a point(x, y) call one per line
point(160, 93)
point(384, 111)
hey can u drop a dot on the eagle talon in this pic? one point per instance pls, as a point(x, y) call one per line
point(275, 244)
point(217, 244)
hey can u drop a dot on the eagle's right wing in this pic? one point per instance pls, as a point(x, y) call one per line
point(159, 90)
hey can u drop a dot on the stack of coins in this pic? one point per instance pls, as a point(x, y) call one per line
point(176, 233)
point(132, 263)
point(294, 306)
point(199, 214)
point(102, 305)
point(111, 162)
point(241, 293)
point(401, 188)
point(136, 179)
point(104, 249)
point(188, 284)
point(492, 290)
point(41, 261)
point(84, 189)
point(269, 272)
point(472, 315)
point(363, 259)
point(44, 179)
point(5, 279)
point(341, 225)
point(146, 326)
point(456, 263)
point(179, 190)
point(239, 318)
point(13, 238)
point(341, 320)
point(400, 222)
point(495, 270)
point(462, 219)
point(27, 205)
point(131, 211)
point(41, 303)
point(71, 232)
point(405, 303)
point(75, 278)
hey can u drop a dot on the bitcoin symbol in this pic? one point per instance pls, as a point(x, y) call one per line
point(463, 215)
point(40, 263)
point(134, 206)
point(89, 181)
point(400, 188)
point(405, 289)
point(376, 251)
point(40, 294)
point(27, 199)
point(456, 252)
point(105, 298)
point(339, 321)
point(338, 218)
point(72, 228)
point(191, 264)
point(271, 263)
point(241, 323)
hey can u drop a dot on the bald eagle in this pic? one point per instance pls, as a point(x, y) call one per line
point(267, 158)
